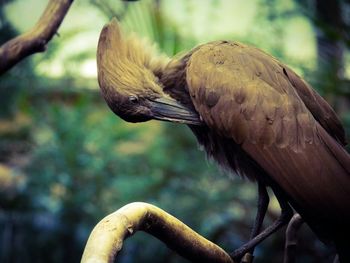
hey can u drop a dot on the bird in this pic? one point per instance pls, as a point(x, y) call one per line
point(252, 114)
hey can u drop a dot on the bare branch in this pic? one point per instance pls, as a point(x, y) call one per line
point(106, 239)
point(36, 39)
point(292, 238)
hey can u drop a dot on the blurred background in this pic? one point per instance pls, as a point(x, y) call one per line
point(66, 160)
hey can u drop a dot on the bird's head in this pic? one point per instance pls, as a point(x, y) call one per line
point(127, 75)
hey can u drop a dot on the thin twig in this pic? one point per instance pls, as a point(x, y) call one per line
point(34, 40)
point(106, 239)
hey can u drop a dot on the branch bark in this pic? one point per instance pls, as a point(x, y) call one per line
point(106, 239)
point(34, 40)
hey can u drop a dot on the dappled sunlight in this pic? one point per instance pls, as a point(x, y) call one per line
point(299, 33)
point(229, 19)
point(89, 69)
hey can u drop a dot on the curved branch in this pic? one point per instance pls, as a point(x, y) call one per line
point(34, 40)
point(107, 237)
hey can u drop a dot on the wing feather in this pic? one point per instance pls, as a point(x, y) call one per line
point(319, 108)
point(252, 92)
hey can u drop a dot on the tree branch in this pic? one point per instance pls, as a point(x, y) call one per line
point(106, 239)
point(34, 40)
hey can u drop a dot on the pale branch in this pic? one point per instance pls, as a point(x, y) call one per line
point(292, 238)
point(106, 239)
point(34, 40)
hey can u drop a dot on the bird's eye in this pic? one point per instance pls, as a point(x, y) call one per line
point(133, 99)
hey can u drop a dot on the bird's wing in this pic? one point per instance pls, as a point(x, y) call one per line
point(245, 94)
point(319, 108)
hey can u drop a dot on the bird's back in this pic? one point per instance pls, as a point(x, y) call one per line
point(261, 118)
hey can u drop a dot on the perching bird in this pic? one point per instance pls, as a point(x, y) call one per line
point(252, 114)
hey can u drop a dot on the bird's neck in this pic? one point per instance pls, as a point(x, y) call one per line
point(173, 79)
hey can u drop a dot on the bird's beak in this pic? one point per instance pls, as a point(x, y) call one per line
point(168, 109)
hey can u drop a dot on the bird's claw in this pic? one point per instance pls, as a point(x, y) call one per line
point(247, 258)
point(242, 256)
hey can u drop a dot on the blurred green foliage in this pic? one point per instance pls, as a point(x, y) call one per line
point(67, 160)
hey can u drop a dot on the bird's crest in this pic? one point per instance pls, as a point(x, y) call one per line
point(110, 47)
point(115, 47)
point(121, 58)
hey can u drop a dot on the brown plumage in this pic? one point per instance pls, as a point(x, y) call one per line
point(252, 114)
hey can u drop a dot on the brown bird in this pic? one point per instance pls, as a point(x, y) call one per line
point(252, 114)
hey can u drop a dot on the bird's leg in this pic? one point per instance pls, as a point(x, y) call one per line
point(263, 202)
point(286, 214)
